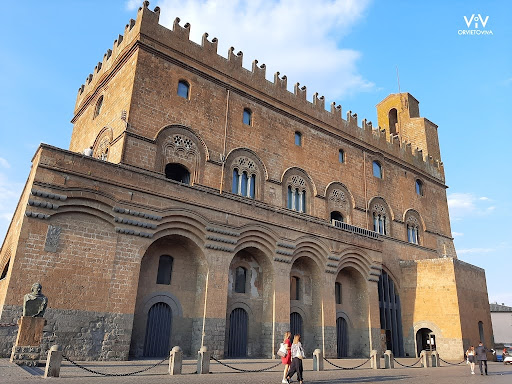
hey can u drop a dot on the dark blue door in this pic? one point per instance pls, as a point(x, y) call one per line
point(238, 325)
point(158, 331)
point(342, 333)
point(296, 324)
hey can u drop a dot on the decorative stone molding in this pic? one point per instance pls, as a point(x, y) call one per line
point(43, 204)
point(219, 248)
point(135, 213)
point(281, 252)
point(48, 195)
point(221, 239)
point(52, 238)
point(286, 245)
point(122, 220)
point(133, 232)
point(222, 231)
point(281, 260)
point(37, 215)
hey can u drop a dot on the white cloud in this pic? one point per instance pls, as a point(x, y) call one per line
point(457, 234)
point(474, 250)
point(465, 204)
point(298, 38)
point(4, 163)
point(133, 4)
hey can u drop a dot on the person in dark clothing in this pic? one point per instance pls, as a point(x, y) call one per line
point(481, 356)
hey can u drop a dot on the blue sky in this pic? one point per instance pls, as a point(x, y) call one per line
point(345, 50)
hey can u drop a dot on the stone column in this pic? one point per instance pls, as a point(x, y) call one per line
point(27, 348)
point(375, 359)
point(203, 361)
point(425, 363)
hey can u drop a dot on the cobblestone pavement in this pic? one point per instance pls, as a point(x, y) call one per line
point(498, 373)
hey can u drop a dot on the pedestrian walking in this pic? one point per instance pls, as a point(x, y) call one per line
point(297, 356)
point(470, 354)
point(285, 348)
point(481, 356)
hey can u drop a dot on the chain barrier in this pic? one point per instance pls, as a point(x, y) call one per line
point(407, 366)
point(337, 366)
point(446, 362)
point(245, 370)
point(112, 374)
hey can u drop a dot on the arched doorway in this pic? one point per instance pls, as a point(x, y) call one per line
point(296, 324)
point(250, 288)
point(425, 340)
point(305, 302)
point(158, 331)
point(390, 314)
point(351, 294)
point(171, 285)
point(342, 337)
point(238, 325)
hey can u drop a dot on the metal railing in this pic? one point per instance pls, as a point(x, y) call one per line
point(352, 228)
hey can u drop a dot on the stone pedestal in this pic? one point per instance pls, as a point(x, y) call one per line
point(318, 360)
point(27, 349)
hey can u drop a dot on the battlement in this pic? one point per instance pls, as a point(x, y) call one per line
point(149, 34)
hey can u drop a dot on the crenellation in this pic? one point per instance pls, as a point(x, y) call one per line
point(236, 61)
point(336, 110)
point(181, 32)
point(280, 82)
point(319, 102)
point(210, 46)
point(259, 71)
point(352, 119)
point(98, 67)
point(300, 92)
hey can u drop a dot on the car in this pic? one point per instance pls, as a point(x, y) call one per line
point(507, 357)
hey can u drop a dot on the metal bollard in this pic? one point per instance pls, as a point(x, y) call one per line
point(175, 361)
point(203, 361)
point(318, 360)
point(425, 363)
point(53, 362)
point(435, 359)
point(375, 359)
point(389, 363)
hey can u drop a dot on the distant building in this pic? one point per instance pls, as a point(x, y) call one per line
point(501, 317)
point(220, 209)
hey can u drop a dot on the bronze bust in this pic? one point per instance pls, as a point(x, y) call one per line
point(34, 303)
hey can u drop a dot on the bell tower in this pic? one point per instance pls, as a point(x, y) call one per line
point(399, 115)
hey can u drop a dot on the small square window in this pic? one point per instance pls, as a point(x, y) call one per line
point(298, 139)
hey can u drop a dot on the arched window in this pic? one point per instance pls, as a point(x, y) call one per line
point(336, 218)
point(247, 116)
point(298, 139)
point(380, 218)
point(377, 169)
point(296, 199)
point(419, 187)
point(177, 172)
point(183, 89)
point(240, 279)
point(244, 183)
point(164, 270)
point(294, 288)
point(481, 331)
point(97, 109)
point(413, 229)
point(393, 121)
point(337, 293)
point(341, 156)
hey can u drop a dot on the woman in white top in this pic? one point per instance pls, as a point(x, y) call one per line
point(297, 356)
point(470, 353)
